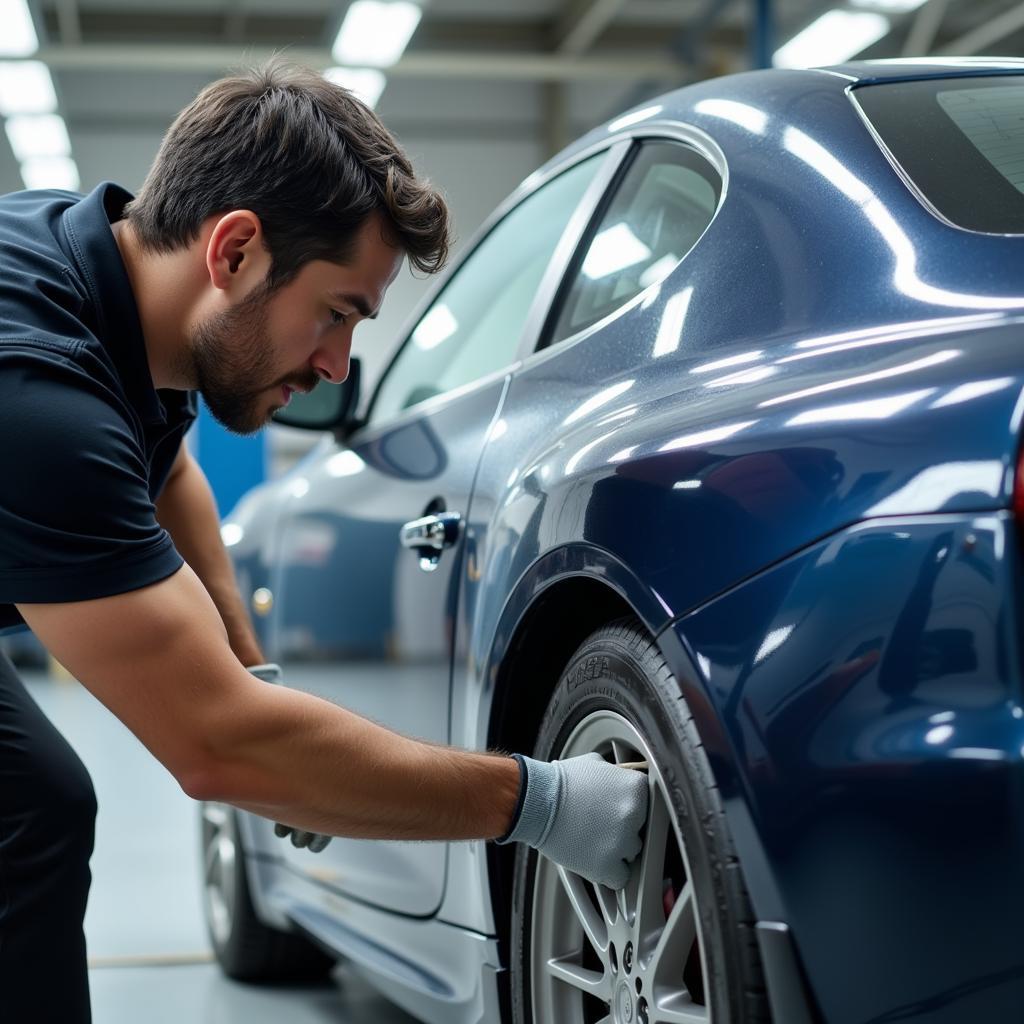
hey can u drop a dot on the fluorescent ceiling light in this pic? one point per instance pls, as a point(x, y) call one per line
point(51, 172)
point(26, 88)
point(612, 250)
point(38, 135)
point(375, 32)
point(835, 37)
point(366, 83)
point(17, 33)
point(889, 6)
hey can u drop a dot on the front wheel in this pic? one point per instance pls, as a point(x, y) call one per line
point(677, 945)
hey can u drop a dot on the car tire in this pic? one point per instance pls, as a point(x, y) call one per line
point(681, 935)
point(245, 947)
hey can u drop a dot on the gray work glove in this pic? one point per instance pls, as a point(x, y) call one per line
point(582, 813)
point(312, 841)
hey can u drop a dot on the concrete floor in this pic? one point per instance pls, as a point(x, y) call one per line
point(149, 958)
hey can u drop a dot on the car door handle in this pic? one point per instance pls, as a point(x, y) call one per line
point(430, 535)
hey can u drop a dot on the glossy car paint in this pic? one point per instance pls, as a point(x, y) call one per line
point(792, 459)
point(869, 691)
point(340, 568)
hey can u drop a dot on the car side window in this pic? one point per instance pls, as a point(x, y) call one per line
point(474, 325)
point(666, 198)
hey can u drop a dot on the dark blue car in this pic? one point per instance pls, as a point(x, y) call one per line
point(704, 456)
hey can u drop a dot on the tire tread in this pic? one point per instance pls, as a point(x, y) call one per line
point(634, 644)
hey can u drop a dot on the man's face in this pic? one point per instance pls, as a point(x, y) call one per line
point(247, 360)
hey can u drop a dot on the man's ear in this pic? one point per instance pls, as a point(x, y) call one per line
point(236, 257)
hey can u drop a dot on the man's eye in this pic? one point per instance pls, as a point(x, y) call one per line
point(338, 317)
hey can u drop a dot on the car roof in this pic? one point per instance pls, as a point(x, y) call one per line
point(865, 72)
point(754, 124)
point(782, 83)
point(796, 90)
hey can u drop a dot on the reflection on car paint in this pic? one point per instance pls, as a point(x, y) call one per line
point(792, 457)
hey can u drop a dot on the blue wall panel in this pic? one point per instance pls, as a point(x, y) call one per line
point(233, 464)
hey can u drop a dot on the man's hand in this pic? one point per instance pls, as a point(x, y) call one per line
point(312, 841)
point(584, 814)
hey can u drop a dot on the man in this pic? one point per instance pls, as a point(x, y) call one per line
point(277, 213)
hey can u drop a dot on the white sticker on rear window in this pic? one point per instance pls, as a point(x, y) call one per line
point(992, 118)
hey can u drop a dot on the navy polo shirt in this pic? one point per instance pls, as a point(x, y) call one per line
point(86, 441)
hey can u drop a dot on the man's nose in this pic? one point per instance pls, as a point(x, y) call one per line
point(332, 363)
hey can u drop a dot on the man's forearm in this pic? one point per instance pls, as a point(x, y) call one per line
point(159, 659)
point(188, 512)
point(298, 759)
point(303, 761)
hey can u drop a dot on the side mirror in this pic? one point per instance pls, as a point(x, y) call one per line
point(327, 406)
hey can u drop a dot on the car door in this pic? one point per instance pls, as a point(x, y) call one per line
point(357, 617)
point(621, 308)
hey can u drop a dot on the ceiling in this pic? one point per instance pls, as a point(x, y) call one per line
point(485, 90)
point(475, 70)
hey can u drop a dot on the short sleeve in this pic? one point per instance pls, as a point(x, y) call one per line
point(76, 518)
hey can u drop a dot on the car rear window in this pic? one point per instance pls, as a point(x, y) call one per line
point(960, 141)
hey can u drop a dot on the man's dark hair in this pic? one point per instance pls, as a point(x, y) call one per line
point(307, 157)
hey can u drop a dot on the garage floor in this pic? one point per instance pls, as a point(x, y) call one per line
point(148, 952)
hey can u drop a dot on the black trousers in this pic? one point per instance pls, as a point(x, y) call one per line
point(47, 813)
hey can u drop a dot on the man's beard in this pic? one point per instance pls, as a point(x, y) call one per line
point(232, 363)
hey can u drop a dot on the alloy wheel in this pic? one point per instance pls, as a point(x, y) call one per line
point(632, 957)
point(220, 864)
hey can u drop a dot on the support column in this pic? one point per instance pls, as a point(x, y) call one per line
point(762, 42)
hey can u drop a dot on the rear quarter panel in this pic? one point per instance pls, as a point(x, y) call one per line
point(829, 352)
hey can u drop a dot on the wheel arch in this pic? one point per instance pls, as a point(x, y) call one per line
point(560, 600)
point(556, 605)
point(537, 651)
